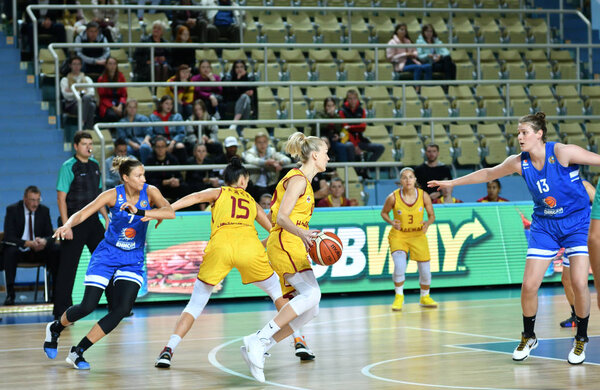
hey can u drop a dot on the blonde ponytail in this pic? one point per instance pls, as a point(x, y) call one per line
point(300, 146)
point(123, 165)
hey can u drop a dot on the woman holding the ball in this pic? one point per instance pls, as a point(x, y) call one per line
point(408, 235)
point(287, 246)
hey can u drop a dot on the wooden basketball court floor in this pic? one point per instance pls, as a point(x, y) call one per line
point(464, 344)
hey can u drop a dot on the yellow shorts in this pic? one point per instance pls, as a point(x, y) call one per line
point(416, 246)
point(287, 255)
point(245, 253)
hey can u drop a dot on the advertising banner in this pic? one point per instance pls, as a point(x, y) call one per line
point(471, 244)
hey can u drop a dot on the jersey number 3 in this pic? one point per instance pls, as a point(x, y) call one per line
point(542, 186)
point(240, 205)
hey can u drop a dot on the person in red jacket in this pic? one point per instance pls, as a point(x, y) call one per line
point(354, 132)
point(112, 100)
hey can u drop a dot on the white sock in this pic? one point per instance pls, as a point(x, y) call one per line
point(268, 331)
point(399, 290)
point(173, 341)
point(271, 344)
point(298, 333)
point(424, 292)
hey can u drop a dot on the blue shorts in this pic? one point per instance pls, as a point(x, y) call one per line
point(108, 261)
point(547, 236)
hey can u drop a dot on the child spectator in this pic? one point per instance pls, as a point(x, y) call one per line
point(185, 95)
point(183, 55)
point(137, 138)
point(342, 152)
point(88, 104)
point(211, 95)
point(173, 134)
point(336, 197)
point(94, 58)
point(265, 201)
point(112, 100)
point(406, 60)
point(493, 192)
point(161, 60)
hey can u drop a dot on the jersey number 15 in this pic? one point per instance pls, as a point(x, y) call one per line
point(245, 213)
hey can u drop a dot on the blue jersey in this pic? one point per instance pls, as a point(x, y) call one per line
point(126, 231)
point(557, 191)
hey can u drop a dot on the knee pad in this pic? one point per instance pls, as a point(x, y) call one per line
point(399, 258)
point(424, 272)
point(199, 298)
point(309, 293)
point(271, 286)
point(297, 323)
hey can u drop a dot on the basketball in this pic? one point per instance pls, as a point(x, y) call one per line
point(130, 233)
point(327, 249)
point(550, 201)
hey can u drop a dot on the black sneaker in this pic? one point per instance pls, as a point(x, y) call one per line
point(570, 322)
point(164, 359)
point(76, 359)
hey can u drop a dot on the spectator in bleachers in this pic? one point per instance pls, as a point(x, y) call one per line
point(137, 138)
point(170, 183)
point(227, 22)
point(200, 28)
point(140, 12)
point(439, 58)
point(112, 178)
point(203, 134)
point(432, 169)
point(239, 102)
point(212, 96)
point(354, 132)
point(493, 192)
point(342, 152)
point(181, 55)
point(185, 95)
point(94, 58)
point(446, 197)
point(88, 102)
point(200, 180)
point(112, 100)
point(406, 59)
point(266, 163)
point(173, 134)
point(107, 19)
point(50, 30)
point(161, 60)
point(265, 201)
point(27, 238)
point(336, 197)
point(231, 150)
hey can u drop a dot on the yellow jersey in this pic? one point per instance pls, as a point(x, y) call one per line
point(304, 207)
point(234, 208)
point(409, 215)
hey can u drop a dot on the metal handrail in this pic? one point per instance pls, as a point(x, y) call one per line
point(292, 84)
point(343, 10)
point(318, 122)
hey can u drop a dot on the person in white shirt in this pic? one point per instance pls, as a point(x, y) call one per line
point(87, 94)
point(267, 164)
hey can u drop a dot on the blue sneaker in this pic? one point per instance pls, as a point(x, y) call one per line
point(76, 359)
point(51, 342)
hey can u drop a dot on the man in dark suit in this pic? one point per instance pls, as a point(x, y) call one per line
point(27, 238)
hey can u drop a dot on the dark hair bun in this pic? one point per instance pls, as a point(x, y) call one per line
point(540, 115)
point(236, 162)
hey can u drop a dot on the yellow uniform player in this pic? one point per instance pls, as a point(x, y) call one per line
point(407, 236)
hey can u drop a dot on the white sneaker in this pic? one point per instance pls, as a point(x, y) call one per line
point(524, 348)
point(577, 354)
point(256, 372)
point(255, 350)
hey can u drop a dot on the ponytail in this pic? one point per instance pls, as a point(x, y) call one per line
point(234, 170)
point(300, 146)
point(124, 165)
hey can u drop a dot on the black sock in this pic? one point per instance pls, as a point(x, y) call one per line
point(582, 324)
point(528, 325)
point(57, 327)
point(83, 345)
point(572, 311)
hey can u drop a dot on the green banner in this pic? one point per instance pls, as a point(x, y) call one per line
point(476, 244)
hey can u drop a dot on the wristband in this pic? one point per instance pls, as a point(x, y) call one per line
point(140, 212)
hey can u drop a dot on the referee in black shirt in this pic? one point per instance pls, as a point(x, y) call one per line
point(78, 184)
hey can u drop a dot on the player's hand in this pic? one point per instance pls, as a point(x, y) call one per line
point(130, 208)
point(63, 233)
point(425, 227)
point(307, 237)
point(440, 184)
point(396, 224)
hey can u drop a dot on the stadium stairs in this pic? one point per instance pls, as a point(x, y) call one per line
point(31, 151)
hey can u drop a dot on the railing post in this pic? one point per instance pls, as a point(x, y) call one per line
point(319, 129)
point(152, 64)
point(266, 61)
point(561, 20)
point(36, 60)
point(291, 87)
point(376, 63)
point(79, 109)
point(548, 27)
point(349, 26)
point(58, 108)
point(507, 98)
point(478, 63)
point(14, 23)
point(432, 131)
point(176, 98)
point(102, 155)
point(578, 69)
point(129, 34)
point(346, 180)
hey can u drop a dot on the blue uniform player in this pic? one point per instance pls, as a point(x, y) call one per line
point(561, 218)
point(120, 256)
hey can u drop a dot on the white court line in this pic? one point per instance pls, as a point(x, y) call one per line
point(212, 358)
point(366, 371)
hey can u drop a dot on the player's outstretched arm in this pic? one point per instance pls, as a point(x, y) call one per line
point(163, 209)
point(573, 154)
point(262, 218)
point(107, 198)
point(511, 165)
point(205, 196)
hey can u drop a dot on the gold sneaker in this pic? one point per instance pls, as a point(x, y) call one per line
point(427, 301)
point(398, 301)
